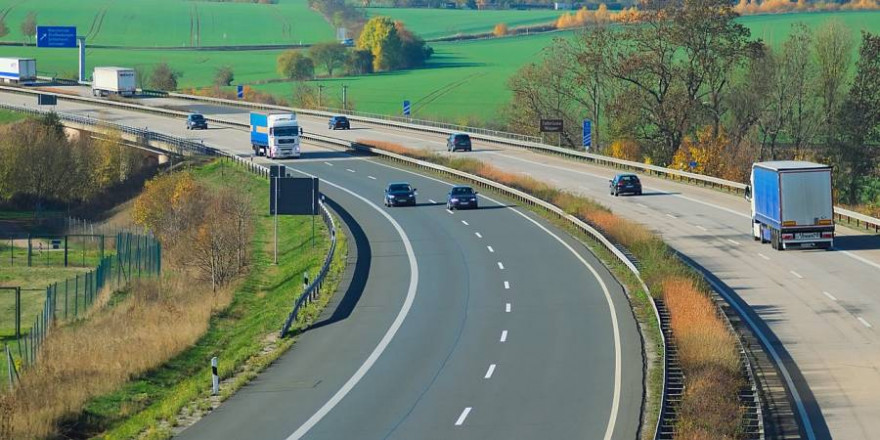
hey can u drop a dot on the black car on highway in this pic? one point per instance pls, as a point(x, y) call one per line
point(461, 197)
point(339, 122)
point(400, 193)
point(458, 141)
point(196, 121)
point(625, 184)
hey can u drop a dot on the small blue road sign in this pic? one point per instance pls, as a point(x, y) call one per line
point(406, 108)
point(588, 134)
point(56, 36)
point(240, 92)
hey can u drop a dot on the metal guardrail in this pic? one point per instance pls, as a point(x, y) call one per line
point(313, 290)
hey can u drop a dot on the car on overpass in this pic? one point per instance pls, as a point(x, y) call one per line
point(625, 184)
point(196, 121)
point(339, 122)
point(400, 193)
point(458, 141)
point(461, 196)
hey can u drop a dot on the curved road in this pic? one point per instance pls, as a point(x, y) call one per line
point(473, 324)
point(819, 310)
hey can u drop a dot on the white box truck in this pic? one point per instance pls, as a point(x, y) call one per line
point(114, 80)
point(792, 204)
point(275, 134)
point(18, 70)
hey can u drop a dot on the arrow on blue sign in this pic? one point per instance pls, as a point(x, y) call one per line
point(588, 134)
point(56, 36)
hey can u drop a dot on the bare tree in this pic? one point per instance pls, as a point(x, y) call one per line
point(800, 70)
point(834, 45)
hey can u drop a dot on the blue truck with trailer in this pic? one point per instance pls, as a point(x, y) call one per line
point(275, 134)
point(792, 205)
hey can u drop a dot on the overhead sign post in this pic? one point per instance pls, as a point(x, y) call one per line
point(588, 134)
point(406, 108)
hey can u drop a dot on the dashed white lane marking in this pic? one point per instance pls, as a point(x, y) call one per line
point(796, 274)
point(507, 308)
point(329, 164)
point(349, 170)
point(507, 285)
point(449, 211)
point(864, 322)
point(500, 265)
point(733, 242)
point(478, 235)
point(431, 201)
point(702, 228)
point(763, 256)
point(463, 416)
point(489, 372)
point(371, 177)
point(830, 296)
point(503, 336)
point(490, 248)
point(465, 223)
point(671, 216)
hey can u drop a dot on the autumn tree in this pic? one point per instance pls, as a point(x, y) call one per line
point(500, 30)
point(29, 25)
point(329, 55)
point(224, 76)
point(833, 45)
point(380, 38)
point(293, 64)
point(359, 62)
point(164, 77)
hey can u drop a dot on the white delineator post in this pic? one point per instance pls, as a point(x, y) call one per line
point(215, 378)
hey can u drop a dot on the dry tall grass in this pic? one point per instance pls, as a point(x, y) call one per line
point(708, 352)
point(156, 321)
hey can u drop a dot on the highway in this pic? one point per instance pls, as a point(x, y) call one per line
point(820, 310)
point(476, 324)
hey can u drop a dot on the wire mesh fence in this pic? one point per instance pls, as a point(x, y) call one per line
point(135, 256)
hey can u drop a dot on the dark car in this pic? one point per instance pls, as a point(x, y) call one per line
point(339, 122)
point(458, 141)
point(461, 197)
point(400, 193)
point(626, 184)
point(196, 121)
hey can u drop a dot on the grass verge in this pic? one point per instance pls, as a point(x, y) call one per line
point(707, 350)
point(105, 377)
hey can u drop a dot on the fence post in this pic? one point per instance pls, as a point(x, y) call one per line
point(65, 250)
point(66, 282)
point(17, 312)
point(76, 298)
point(30, 248)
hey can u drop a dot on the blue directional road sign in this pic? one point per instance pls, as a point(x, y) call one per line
point(406, 108)
point(56, 36)
point(240, 92)
point(588, 134)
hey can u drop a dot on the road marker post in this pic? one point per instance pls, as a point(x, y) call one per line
point(215, 378)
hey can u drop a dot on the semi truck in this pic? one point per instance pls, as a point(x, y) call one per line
point(275, 134)
point(114, 80)
point(18, 70)
point(792, 204)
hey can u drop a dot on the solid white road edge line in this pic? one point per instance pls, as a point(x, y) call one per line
point(463, 416)
point(618, 356)
point(389, 335)
point(864, 322)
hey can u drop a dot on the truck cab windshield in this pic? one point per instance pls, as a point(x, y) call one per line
point(285, 131)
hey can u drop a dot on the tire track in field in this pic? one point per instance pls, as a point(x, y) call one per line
point(100, 23)
point(198, 25)
point(442, 91)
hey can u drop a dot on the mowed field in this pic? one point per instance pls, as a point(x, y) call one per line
point(464, 80)
point(434, 23)
point(174, 23)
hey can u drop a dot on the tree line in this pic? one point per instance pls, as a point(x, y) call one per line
point(41, 167)
point(686, 86)
point(383, 45)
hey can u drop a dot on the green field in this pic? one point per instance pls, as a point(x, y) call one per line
point(6, 117)
point(434, 23)
point(463, 79)
point(175, 23)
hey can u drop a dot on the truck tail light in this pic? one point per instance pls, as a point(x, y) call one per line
point(827, 235)
point(826, 222)
point(789, 223)
point(787, 236)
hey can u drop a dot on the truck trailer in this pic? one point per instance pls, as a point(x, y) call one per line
point(792, 204)
point(275, 134)
point(114, 80)
point(18, 70)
